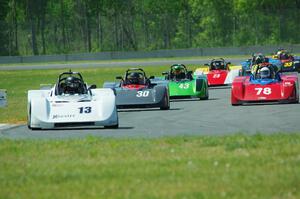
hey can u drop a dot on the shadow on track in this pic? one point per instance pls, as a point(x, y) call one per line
point(219, 87)
point(142, 110)
point(193, 100)
point(81, 128)
point(265, 104)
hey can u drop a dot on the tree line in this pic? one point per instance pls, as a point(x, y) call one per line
point(35, 27)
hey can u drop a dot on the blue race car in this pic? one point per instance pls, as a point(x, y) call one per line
point(289, 62)
point(257, 59)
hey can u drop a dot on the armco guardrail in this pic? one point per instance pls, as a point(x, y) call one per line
point(150, 54)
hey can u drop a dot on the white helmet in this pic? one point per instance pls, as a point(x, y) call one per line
point(265, 73)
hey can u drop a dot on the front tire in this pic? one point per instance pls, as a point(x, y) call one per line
point(166, 105)
point(29, 118)
point(116, 126)
point(206, 94)
point(296, 97)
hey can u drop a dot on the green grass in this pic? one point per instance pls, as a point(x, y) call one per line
point(238, 166)
point(17, 83)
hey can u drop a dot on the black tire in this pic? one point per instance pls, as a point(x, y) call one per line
point(166, 105)
point(29, 118)
point(112, 127)
point(297, 97)
point(206, 95)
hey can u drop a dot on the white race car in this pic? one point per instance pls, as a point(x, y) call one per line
point(71, 103)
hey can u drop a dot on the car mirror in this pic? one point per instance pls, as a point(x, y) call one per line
point(93, 86)
point(228, 62)
point(164, 73)
point(119, 77)
point(151, 77)
point(189, 72)
point(206, 64)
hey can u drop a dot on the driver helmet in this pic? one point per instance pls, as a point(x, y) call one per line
point(218, 65)
point(282, 54)
point(72, 85)
point(264, 73)
point(178, 69)
point(134, 78)
point(258, 58)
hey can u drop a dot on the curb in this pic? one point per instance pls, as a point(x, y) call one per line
point(7, 126)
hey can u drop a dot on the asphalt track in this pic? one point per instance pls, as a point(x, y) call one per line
point(215, 116)
point(136, 63)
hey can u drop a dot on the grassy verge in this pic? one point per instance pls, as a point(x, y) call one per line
point(238, 166)
point(17, 83)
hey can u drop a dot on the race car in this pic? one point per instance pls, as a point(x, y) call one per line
point(3, 100)
point(265, 86)
point(219, 72)
point(135, 90)
point(183, 84)
point(289, 63)
point(71, 103)
point(257, 58)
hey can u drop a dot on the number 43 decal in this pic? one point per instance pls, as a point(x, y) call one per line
point(184, 85)
point(266, 91)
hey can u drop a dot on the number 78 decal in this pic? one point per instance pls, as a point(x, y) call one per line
point(266, 91)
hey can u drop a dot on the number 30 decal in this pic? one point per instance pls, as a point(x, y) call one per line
point(266, 91)
point(142, 94)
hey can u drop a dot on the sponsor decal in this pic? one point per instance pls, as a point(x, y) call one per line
point(288, 84)
point(57, 105)
point(262, 98)
point(56, 116)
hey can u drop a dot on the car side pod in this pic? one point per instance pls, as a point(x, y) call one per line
point(237, 91)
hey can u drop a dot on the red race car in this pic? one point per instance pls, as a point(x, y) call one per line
point(218, 72)
point(264, 85)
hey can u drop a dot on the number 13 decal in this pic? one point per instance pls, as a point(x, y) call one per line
point(86, 109)
point(266, 91)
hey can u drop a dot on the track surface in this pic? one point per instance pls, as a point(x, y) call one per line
point(212, 117)
point(235, 61)
point(187, 117)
